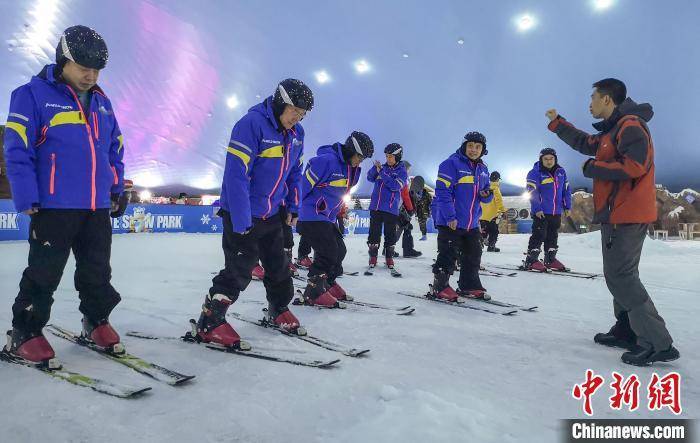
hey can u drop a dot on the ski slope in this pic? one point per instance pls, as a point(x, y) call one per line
point(441, 375)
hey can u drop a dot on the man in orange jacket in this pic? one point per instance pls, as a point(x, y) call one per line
point(624, 197)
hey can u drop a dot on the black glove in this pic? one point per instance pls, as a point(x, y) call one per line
point(586, 165)
point(119, 204)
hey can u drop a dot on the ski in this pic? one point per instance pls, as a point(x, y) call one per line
point(405, 310)
point(492, 273)
point(502, 304)
point(354, 273)
point(345, 350)
point(140, 365)
point(394, 272)
point(459, 304)
point(190, 337)
point(573, 274)
point(78, 379)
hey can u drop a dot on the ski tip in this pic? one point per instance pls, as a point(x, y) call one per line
point(182, 380)
point(357, 353)
point(327, 364)
point(135, 392)
point(407, 311)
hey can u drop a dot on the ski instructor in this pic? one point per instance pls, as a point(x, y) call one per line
point(624, 196)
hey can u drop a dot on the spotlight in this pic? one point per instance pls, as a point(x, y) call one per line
point(322, 77)
point(232, 102)
point(361, 66)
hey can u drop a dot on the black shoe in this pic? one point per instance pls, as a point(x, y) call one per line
point(412, 253)
point(645, 357)
point(620, 335)
point(493, 249)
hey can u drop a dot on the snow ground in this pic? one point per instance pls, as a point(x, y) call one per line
point(441, 375)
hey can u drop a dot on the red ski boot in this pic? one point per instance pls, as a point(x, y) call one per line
point(103, 335)
point(533, 263)
point(284, 319)
point(32, 347)
point(317, 293)
point(212, 326)
point(474, 293)
point(389, 257)
point(339, 293)
point(441, 288)
point(551, 262)
point(258, 272)
point(304, 262)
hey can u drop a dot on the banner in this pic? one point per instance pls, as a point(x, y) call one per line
point(165, 218)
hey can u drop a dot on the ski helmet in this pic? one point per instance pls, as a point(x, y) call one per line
point(476, 137)
point(548, 151)
point(495, 176)
point(395, 149)
point(293, 92)
point(83, 46)
point(358, 143)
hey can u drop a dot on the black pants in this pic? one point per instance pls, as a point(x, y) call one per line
point(377, 220)
point(288, 234)
point(404, 229)
point(53, 233)
point(265, 242)
point(329, 248)
point(545, 230)
point(462, 244)
point(304, 245)
point(489, 230)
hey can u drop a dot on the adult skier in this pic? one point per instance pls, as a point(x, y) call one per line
point(462, 185)
point(550, 196)
point(64, 154)
point(327, 179)
point(263, 167)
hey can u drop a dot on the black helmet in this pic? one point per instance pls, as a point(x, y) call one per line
point(495, 176)
point(395, 149)
point(358, 143)
point(83, 46)
point(476, 137)
point(293, 92)
point(548, 151)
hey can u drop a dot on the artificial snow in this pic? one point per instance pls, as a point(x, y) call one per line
point(441, 375)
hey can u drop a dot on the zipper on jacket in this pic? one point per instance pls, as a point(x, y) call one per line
point(93, 189)
point(52, 180)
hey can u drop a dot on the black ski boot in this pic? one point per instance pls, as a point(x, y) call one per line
point(645, 357)
point(493, 248)
point(411, 253)
point(620, 335)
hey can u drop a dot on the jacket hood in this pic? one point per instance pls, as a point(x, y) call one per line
point(627, 107)
point(335, 148)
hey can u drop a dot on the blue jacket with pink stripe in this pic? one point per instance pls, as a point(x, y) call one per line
point(386, 195)
point(263, 168)
point(327, 179)
point(58, 154)
point(457, 191)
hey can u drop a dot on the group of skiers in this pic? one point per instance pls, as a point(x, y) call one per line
point(64, 154)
